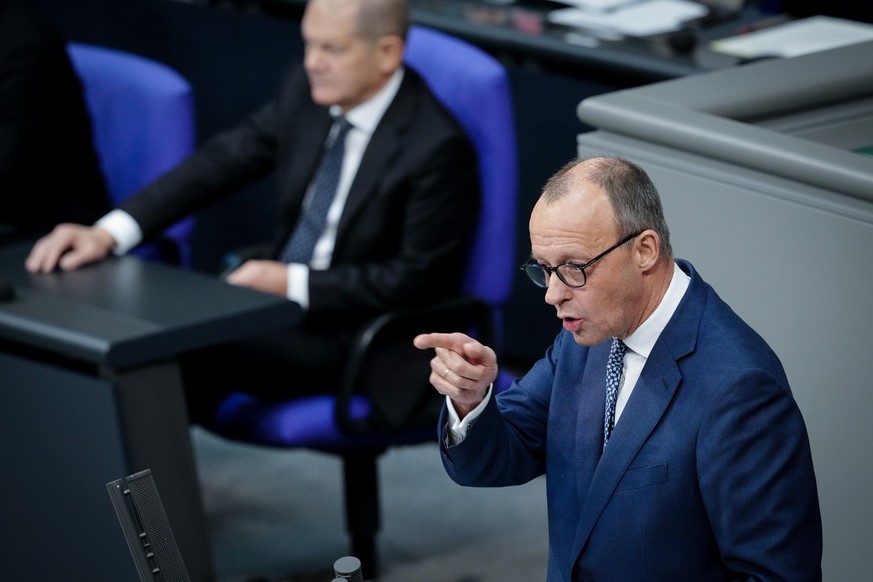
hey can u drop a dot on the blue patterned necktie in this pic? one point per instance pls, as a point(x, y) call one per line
point(299, 247)
point(613, 377)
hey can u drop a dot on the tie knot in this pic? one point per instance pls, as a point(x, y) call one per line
point(343, 126)
point(617, 348)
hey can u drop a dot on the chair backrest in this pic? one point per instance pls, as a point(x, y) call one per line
point(474, 86)
point(143, 120)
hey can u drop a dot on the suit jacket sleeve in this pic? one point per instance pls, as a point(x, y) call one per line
point(235, 158)
point(511, 432)
point(757, 480)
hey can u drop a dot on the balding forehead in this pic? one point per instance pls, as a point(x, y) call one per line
point(572, 177)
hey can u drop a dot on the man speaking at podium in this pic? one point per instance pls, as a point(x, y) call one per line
point(671, 443)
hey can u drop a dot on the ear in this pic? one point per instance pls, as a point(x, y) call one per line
point(390, 51)
point(647, 249)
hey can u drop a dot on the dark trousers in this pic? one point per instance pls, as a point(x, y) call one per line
point(284, 364)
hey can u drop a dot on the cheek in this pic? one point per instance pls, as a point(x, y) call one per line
point(359, 74)
point(323, 96)
point(603, 306)
point(344, 78)
point(602, 312)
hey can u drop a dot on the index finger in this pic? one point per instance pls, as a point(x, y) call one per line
point(450, 341)
point(45, 254)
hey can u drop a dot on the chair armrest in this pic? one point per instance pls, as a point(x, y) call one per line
point(393, 374)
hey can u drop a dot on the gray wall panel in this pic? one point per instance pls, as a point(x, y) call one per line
point(795, 261)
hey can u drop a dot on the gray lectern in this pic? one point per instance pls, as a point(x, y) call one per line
point(768, 190)
point(90, 392)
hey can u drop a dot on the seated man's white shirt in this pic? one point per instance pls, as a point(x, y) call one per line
point(123, 229)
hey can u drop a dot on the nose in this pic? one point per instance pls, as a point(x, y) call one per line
point(556, 291)
point(311, 59)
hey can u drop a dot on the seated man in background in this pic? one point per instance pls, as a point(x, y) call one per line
point(672, 445)
point(49, 171)
point(399, 211)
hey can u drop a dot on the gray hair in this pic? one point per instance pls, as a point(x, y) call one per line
point(378, 18)
point(635, 201)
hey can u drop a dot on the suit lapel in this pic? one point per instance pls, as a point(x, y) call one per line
point(589, 424)
point(385, 145)
point(644, 410)
point(649, 401)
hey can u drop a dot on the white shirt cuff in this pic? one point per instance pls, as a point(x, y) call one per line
point(458, 427)
point(122, 228)
point(298, 284)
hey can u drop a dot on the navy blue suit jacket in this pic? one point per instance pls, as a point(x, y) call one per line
point(707, 476)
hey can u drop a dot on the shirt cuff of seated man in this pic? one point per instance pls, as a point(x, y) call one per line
point(298, 284)
point(123, 229)
point(456, 427)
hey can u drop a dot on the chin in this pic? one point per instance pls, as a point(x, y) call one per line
point(586, 340)
point(324, 97)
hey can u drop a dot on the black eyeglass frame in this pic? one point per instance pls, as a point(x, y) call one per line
point(534, 270)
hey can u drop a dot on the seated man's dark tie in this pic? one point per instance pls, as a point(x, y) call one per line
point(302, 241)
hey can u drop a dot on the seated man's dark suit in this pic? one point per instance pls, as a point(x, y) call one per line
point(401, 240)
point(707, 477)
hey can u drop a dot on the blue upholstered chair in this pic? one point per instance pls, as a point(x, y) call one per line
point(361, 419)
point(143, 120)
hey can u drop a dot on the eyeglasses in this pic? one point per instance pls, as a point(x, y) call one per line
point(571, 274)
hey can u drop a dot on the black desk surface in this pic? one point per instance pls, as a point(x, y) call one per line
point(126, 312)
point(519, 29)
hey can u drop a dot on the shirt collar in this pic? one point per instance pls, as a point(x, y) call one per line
point(366, 116)
point(643, 339)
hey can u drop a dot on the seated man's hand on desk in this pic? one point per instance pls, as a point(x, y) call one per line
point(68, 247)
point(262, 275)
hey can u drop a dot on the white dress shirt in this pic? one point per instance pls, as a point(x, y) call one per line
point(364, 119)
point(639, 346)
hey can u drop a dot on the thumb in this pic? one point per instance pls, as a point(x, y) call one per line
point(480, 354)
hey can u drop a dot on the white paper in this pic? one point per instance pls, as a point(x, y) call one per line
point(798, 37)
point(640, 19)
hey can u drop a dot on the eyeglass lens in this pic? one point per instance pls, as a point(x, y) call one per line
point(569, 274)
